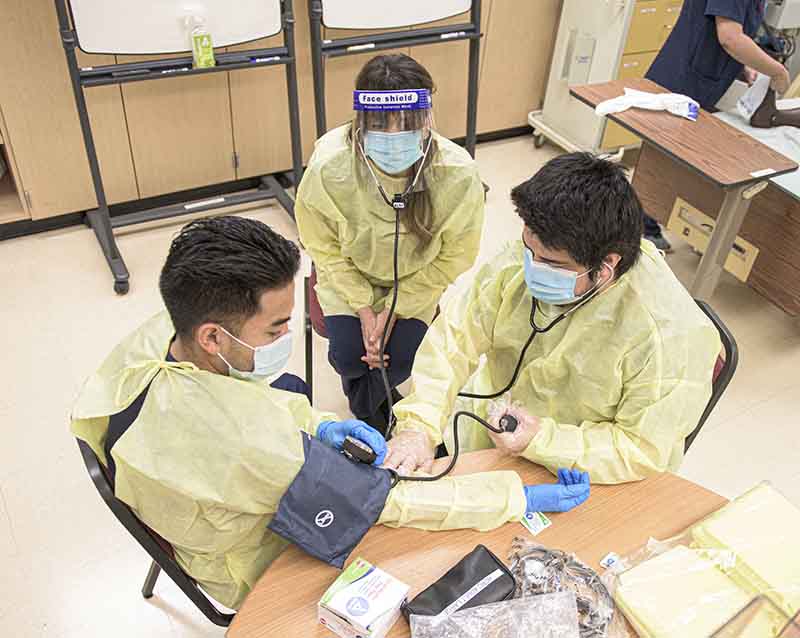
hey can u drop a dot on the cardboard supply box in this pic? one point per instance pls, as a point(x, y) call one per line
point(364, 602)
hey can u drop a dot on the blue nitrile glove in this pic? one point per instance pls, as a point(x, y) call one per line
point(572, 477)
point(334, 433)
point(571, 490)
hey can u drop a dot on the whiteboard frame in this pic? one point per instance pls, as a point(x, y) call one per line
point(395, 25)
point(187, 49)
point(269, 186)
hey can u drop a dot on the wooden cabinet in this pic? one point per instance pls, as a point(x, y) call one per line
point(163, 136)
point(672, 9)
point(13, 206)
point(261, 134)
point(110, 132)
point(260, 107)
point(647, 27)
point(633, 66)
point(180, 129)
point(517, 49)
point(650, 26)
point(41, 119)
point(448, 64)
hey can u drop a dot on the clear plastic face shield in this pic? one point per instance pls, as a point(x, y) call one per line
point(392, 131)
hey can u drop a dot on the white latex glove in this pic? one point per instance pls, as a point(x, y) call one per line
point(408, 452)
point(675, 103)
point(516, 442)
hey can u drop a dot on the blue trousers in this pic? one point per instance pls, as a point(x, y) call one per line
point(362, 386)
point(291, 383)
point(651, 227)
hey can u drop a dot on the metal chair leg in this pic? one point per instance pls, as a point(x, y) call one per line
point(150, 581)
point(309, 330)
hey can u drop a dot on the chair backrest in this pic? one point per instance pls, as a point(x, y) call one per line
point(158, 549)
point(388, 14)
point(315, 314)
point(723, 371)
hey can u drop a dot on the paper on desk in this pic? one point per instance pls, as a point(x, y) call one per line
point(782, 139)
point(753, 97)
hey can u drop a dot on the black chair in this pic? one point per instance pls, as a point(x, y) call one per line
point(723, 370)
point(160, 550)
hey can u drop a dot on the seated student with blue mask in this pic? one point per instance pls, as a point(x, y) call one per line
point(709, 47)
point(620, 367)
point(348, 229)
point(222, 463)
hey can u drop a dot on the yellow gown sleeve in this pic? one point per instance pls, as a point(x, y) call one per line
point(481, 501)
point(460, 237)
point(319, 237)
point(449, 355)
point(655, 414)
point(318, 417)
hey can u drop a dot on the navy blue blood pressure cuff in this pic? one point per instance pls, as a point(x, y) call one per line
point(331, 504)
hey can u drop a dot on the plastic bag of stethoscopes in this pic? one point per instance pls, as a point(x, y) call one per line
point(539, 570)
point(549, 616)
point(707, 577)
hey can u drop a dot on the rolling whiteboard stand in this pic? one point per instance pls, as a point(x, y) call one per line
point(124, 27)
point(383, 14)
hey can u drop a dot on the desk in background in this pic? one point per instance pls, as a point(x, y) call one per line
point(616, 518)
point(708, 156)
point(772, 223)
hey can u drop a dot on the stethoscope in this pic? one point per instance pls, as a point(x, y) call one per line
point(537, 330)
point(507, 423)
point(397, 203)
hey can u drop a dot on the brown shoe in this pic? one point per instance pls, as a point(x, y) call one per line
point(768, 115)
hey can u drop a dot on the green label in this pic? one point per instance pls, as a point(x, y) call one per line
point(356, 570)
point(203, 51)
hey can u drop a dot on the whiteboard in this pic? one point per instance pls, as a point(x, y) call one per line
point(388, 14)
point(159, 26)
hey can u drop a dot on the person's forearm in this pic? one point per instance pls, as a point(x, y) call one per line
point(609, 452)
point(743, 49)
point(473, 501)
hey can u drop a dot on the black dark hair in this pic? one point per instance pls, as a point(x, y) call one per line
point(585, 205)
point(396, 72)
point(218, 268)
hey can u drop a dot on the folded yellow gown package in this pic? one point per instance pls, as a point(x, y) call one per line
point(762, 528)
point(681, 593)
point(692, 585)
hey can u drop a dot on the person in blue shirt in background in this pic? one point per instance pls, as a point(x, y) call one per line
point(709, 47)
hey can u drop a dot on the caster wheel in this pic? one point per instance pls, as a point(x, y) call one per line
point(538, 140)
point(121, 287)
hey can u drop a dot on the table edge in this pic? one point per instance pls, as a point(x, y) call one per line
point(670, 154)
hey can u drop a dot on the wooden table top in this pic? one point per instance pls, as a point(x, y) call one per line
point(726, 156)
point(618, 518)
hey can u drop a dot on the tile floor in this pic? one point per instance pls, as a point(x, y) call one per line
point(67, 569)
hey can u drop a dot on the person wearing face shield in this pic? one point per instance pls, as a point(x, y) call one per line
point(610, 358)
point(224, 457)
point(346, 215)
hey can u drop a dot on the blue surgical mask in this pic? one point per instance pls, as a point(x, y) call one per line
point(268, 360)
point(393, 152)
point(549, 284)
